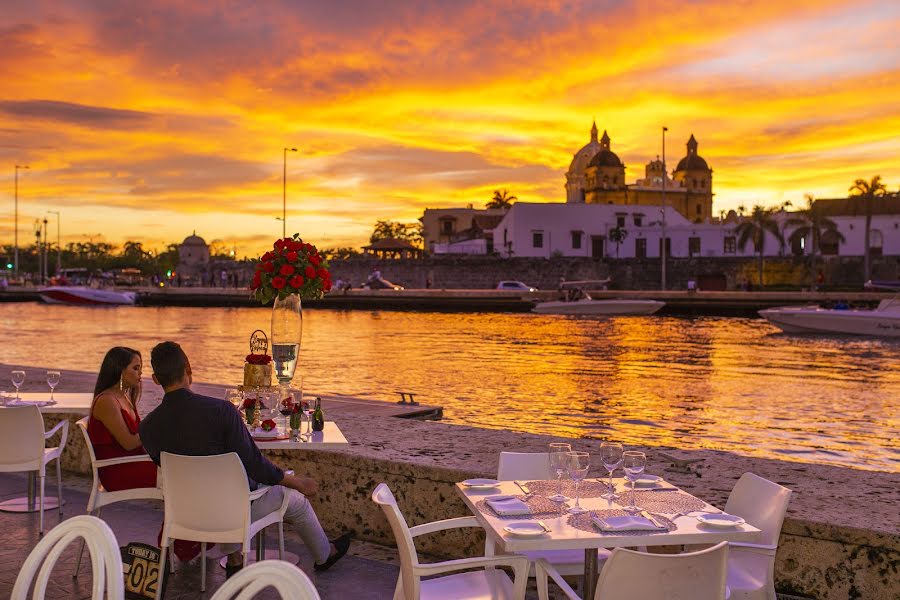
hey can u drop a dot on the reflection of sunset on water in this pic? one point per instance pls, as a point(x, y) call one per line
point(723, 383)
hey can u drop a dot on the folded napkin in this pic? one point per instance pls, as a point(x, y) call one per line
point(626, 523)
point(38, 403)
point(507, 506)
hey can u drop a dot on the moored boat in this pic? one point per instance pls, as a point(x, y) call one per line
point(86, 296)
point(589, 306)
point(883, 321)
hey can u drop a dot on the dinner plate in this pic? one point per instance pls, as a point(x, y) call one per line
point(720, 519)
point(648, 481)
point(481, 483)
point(525, 529)
point(261, 433)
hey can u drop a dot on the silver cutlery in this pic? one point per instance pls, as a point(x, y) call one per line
point(650, 518)
point(522, 487)
point(544, 526)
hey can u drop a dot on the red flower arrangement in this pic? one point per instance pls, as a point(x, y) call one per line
point(268, 425)
point(258, 359)
point(291, 267)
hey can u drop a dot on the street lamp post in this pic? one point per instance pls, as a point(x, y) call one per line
point(662, 242)
point(16, 235)
point(284, 194)
point(58, 245)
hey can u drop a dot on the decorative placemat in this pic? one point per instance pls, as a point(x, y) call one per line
point(587, 489)
point(584, 523)
point(664, 502)
point(540, 508)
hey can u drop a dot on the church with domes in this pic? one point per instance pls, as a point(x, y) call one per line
point(597, 176)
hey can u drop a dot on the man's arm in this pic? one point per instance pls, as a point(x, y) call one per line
point(237, 439)
point(147, 440)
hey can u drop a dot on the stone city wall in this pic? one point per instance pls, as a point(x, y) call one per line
point(841, 539)
point(485, 272)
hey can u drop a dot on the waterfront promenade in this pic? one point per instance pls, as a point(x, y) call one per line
point(841, 538)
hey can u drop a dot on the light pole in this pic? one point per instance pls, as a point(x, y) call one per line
point(58, 245)
point(662, 242)
point(284, 194)
point(16, 235)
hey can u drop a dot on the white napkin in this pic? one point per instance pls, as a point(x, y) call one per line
point(625, 523)
point(38, 403)
point(507, 506)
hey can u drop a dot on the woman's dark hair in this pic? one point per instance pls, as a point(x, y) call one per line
point(116, 360)
point(169, 363)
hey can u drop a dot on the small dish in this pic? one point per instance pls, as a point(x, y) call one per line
point(648, 481)
point(722, 520)
point(262, 433)
point(480, 484)
point(524, 529)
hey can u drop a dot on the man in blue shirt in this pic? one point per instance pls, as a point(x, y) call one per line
point(190, 424)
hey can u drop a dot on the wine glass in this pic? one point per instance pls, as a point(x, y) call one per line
point(18, 378)
point(558, 461)
point(611, 457)
point(236, 398)
point(578, 465)
point(286, 407)
point(633, 462)
point(52, 381)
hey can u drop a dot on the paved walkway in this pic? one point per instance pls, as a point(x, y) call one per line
point(369, 571)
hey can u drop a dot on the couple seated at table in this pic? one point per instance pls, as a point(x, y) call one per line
point(194, 425)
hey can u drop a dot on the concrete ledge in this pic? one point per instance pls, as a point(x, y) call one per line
point(841, 538)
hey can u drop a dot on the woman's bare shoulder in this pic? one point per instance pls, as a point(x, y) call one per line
point(105, 401)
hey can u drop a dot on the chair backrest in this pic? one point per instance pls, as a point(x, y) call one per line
point(83, 426)
point(106, 560)
point(384, 497)
point(762, 503)
point(290, 582)
point(21, 438)
point(696, 576)
point(206, 497)
point(524, 465)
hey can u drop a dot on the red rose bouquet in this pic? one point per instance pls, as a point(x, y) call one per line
point(268, 425)
point(258, 359)
point(291, 267)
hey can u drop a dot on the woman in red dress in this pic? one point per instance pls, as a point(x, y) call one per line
point(113, 429)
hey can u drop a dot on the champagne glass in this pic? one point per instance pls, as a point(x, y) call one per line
point(558, 461)
point(611, 457)
point(578, 465)
point(307, 411)
point(18, 378)
point(52, 381)
point(286, 406)
point(633, 463)
point(236, 398)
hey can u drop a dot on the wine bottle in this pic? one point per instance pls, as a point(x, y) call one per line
point(318, 417)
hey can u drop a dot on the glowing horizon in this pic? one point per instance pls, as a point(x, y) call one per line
point(148, 122)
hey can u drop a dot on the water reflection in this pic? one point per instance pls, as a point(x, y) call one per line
point(708, 382)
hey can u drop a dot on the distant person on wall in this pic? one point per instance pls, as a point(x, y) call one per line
point(820, 280)
point(190, 424)
point(428, 283)
point(113, 428)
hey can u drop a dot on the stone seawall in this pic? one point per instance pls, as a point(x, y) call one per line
point(485, 272)
point(841, 539)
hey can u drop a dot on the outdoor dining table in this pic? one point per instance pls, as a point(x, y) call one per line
point(565, 535)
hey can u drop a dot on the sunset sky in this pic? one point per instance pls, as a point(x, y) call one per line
point(149, 120)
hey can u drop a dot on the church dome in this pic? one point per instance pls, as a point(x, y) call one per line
point(583, 157)
point(692, 162)
point(605, 158)
point(194, 240)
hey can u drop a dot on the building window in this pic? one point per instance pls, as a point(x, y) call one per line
point(615, 180)
point(640, 248)
point(576, 240)
point(447, 226)
point(830, 244)
point(537, 239)
point(638, 220)
point(620, 221)
point(730, 244)
point(699, 210)
point(694, 246)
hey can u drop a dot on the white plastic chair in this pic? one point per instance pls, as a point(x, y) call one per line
point(486, 583)
point(207, 499)
point(101, 497)
point(628, 575)
point(751, 567)
point(534, 466)
point(290, 582)
point(106, 559)
point(22, 438)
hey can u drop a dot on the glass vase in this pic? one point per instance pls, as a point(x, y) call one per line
point(287, 330)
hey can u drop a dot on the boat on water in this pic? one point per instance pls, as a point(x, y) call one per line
point(86, 296)
point(576, 301)
point(883, 321)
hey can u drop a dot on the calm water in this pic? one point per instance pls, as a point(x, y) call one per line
point(724, 383)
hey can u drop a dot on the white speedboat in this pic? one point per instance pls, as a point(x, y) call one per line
point(86, 296)
point(589, 306)
point(882, 321)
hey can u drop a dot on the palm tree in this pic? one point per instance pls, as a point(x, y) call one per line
point(812, 223)
point(502, 199)
point(754, 229)
point(867, 191)
point(617, 236)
